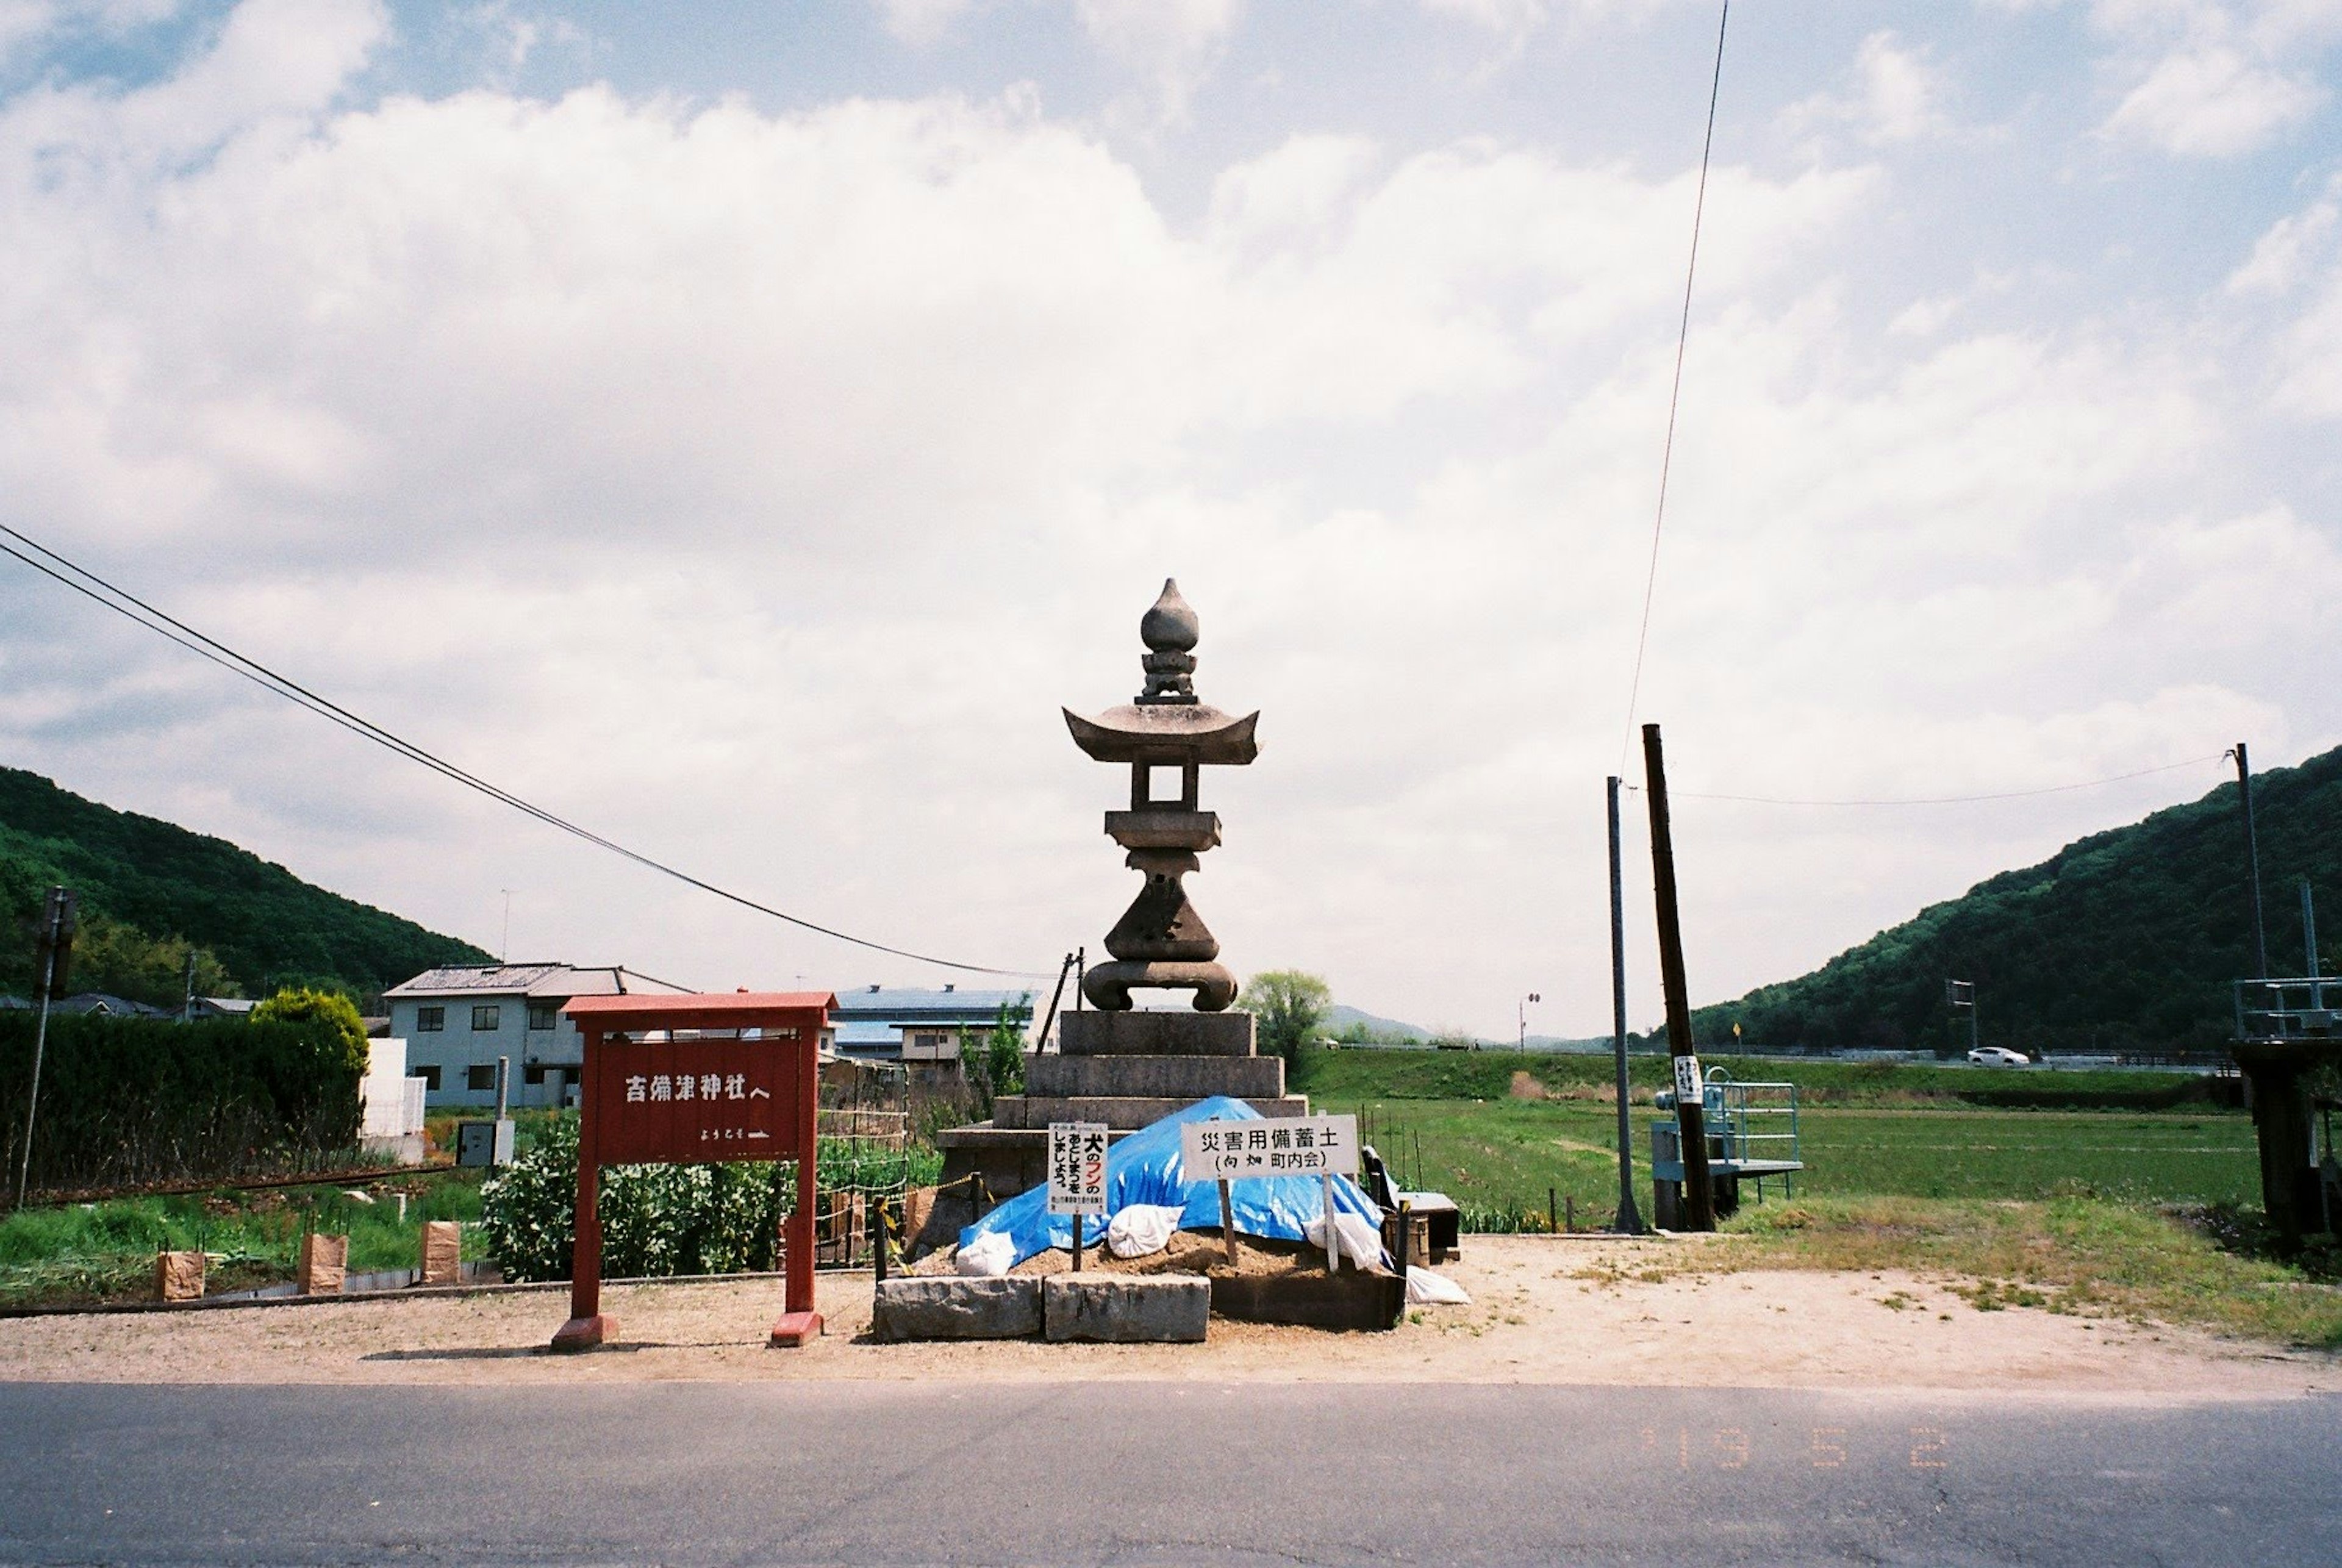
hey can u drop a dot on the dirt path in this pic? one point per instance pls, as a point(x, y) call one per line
point(1533, 1320)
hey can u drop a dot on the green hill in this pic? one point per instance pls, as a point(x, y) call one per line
point(2124, 941)
point(152, 892)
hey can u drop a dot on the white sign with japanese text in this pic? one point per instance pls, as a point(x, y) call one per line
point(1077, 1167)
point(1291, 1146)
point(1688, 1084)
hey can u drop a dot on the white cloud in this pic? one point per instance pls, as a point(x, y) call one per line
point(2286, 253)
point(1896, 97)
point(921, 22)
point(2310, 354)
point(2217, 80)
point(2212, 103)
point(754, 485)
point(1174, 44)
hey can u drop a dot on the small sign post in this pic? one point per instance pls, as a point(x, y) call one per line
point(1077, 1174)
point(1224, 1152)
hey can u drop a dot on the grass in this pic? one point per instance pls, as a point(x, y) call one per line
point(1503, 1155)
point(2082, 1207)
point(1341, 1077)
point(2079, 1255)
point(105, 1250)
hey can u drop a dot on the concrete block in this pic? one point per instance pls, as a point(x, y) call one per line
point(1090, 1032)
point(178, 1277)
point(1127, 1309)
point(443, 1253)
point(1118, 1112)
point(952, 1307)
point(1156, 1077)
point(325, 1263)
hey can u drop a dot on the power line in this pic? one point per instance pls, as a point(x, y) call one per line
point(1958, 799)
point(128, 605)
point(1675, 390)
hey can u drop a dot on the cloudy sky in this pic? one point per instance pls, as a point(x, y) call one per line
point(739, 428)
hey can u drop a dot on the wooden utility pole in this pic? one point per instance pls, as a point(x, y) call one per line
point(1699, 1195)
point(1629, 1221)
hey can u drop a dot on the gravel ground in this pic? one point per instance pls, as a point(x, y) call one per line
point(1533, 1320)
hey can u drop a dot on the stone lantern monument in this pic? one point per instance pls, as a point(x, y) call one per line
point(1114, 1063)
point(1168, 737)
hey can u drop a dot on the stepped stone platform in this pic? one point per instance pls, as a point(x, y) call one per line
point(1125, 1069)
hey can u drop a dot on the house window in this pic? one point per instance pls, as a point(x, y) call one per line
point(428, 1072)
point(541, 1015)
point(430, 1020)
point(481, 1077)
point(533, 1074)
point(483, 1020)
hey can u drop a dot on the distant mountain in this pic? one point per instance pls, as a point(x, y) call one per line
point(152, 894)
point(1341, 1018)
point(2127, 940)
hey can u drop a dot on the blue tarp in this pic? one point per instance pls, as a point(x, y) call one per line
point(1144, 1168)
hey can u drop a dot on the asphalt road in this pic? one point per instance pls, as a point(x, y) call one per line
point(1152, 1472)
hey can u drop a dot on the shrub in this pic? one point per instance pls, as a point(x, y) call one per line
point(666, 1218)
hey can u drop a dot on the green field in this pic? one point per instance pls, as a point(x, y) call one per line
point(1454, 1122)
point(106, 1252)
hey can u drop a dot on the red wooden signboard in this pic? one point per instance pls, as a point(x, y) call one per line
point(696, 1079)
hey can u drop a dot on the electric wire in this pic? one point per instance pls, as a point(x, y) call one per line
point(1952, 799)
point(98, 590)
point(1675, 389)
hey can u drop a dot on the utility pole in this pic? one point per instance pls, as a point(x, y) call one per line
point(1523, 1011)
point(1629, 1221)
point(187, 1010)
point(54, 955)
point(2252, 861)
point(1699, 1193)
point(2309, 945)
point(1960, 993)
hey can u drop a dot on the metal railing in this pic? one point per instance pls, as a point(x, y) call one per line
point(1752, 1129)
point(2307, 1008)
point(1759, 1120)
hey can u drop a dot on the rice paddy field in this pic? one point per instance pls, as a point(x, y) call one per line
point(1539, 1124)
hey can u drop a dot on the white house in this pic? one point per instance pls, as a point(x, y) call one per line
point(390, 1104)
point(457, 1020)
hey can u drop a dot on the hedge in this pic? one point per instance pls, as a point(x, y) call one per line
point(131, 1100)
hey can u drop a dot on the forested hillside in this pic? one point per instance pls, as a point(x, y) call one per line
point(2127, 940)
point(151, 893)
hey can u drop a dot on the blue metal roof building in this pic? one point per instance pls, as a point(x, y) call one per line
point(908, 1024)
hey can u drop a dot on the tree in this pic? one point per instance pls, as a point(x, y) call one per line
point(298, 1006)
point(994, 1062)
point(1290, 1005)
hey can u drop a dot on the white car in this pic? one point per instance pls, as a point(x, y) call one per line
point(1997, 1056)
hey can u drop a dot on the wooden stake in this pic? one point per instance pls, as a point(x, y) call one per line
point(1228, 1224)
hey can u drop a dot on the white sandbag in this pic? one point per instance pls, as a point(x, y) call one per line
point(1142, 1229)
point(1361, 1241)
point(1425, 1288)
point(986, 1258)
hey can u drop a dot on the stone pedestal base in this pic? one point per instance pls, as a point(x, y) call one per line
point(1127, 1070)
